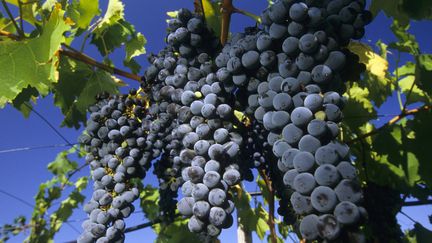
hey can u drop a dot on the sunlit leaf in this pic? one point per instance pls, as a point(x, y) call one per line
point(31, 62)
point(212, 15)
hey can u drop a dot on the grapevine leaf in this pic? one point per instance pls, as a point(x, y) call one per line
point(261, 226)
point(44, 231)
point(77, 87)
point(252, 219)
point(403, 10)
point(417, 9)
point(390, 8)
point(172, 14)
point(114, 31)
point(67, 206)
point(111, 37)
point(422, 134)
point(21, 102)
point(62, 164)
point(376, 77)
point(29, 9)
point(176, 232)
point(406, 41)
point(212, 16)
point(417, 94)
point(424, 72)
point(82, 12)
point(375, 64)
point(6, 24)
point(149, 197)
point(264, 190)
point(419, 234)
point(134, 47)
point(408, 83)
point(359, 108)
point(114, 13)
point(31, 62)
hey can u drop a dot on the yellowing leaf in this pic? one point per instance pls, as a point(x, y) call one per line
point(114, 13)
point(172, 14)
point(241, 117)
point(375, 64)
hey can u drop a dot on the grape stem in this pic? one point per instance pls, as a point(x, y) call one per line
point(198, 6)
point(74, 54)
point(270, 200)
point(395, 119)
point(227, 9)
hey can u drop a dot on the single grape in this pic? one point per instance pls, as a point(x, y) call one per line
point(323, 199)
point(309, 227)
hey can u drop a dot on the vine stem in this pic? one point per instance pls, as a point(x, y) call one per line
point(227, 10)
point(74, 54)
point(271, 221)
point(389, 123)
point(18, 29)
point(198, 6)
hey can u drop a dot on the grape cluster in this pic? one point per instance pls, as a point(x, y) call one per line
point(207, 146)
point(113, 138)
point(300, 105)
point(270, 98)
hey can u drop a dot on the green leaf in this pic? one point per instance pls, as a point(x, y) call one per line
point(403, 10)
point(423, 72)
point(29, 9)
point(359, 109)
point(134, 47)
point(52, 190)
point(61, 165)
point(422, 132)
point(406, 41)
point(114, 31)
point(264, 190)
point(408, 83)
point(6, 24)
point(212, 16)
point(417, 95)
point(67, 206)
point(176, 232)
point(111, 37)
point(419, 234)
point(21, 102)
point(82, 12)
point(261, 226)
point(417, 9)
point(77, 87)
point(252, 219)
point(149, 198)
point(31, 62)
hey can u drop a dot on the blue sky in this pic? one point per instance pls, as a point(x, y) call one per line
point(24, 171)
